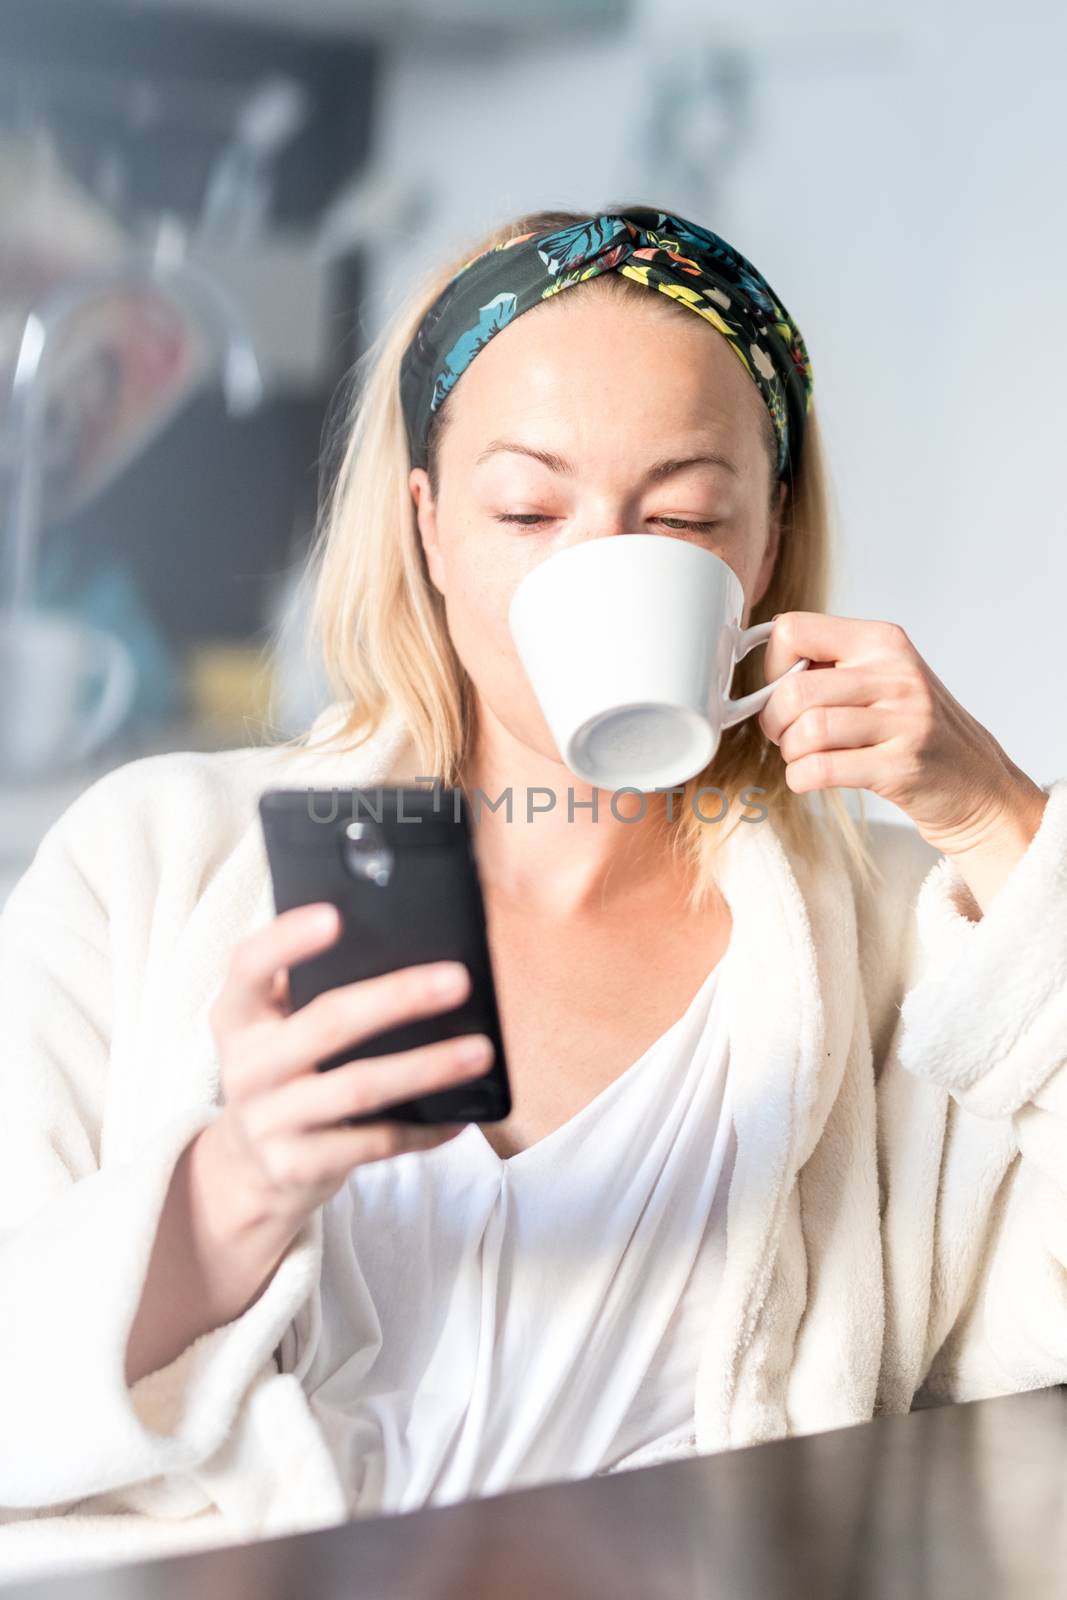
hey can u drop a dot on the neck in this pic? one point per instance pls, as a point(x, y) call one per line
point(546, 847)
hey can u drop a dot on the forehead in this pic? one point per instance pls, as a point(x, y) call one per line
point(637, 363)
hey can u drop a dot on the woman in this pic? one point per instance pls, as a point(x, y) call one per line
point(789, 1138)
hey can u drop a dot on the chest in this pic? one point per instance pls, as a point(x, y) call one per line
point(581, 1002)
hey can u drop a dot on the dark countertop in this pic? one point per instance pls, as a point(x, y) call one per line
point(965, 1501)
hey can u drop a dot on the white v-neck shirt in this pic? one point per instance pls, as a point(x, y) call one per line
point(485, 1324)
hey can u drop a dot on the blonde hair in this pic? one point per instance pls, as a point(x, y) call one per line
point(382, 627)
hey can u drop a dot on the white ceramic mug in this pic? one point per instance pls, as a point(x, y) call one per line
point(47, 661)
point(630, 643)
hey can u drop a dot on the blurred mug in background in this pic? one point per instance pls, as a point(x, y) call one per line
point(66, 689)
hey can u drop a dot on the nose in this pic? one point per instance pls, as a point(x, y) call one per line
point(617, 530)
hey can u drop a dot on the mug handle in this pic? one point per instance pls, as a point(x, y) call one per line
point(748, 639)
point(116, 696)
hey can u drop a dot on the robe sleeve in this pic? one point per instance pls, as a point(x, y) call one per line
point(76, 1235)
point(987, 1021)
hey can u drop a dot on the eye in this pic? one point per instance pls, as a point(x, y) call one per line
point(680, 522)
point(527, 519)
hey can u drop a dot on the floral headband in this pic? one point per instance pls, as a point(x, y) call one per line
point(695, 267)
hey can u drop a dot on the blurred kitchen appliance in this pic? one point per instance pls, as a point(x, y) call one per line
point(163, 274)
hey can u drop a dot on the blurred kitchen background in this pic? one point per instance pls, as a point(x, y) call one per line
point(208, 208)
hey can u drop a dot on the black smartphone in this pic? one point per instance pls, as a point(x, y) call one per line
point(399, 864)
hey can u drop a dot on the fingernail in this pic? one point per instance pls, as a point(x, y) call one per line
point(449, 978)
point(325, 919)
point(478, 1048)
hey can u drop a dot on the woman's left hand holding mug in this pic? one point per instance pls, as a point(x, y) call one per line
point(883, 721)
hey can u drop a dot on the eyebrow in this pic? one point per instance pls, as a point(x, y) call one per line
point(656, 473)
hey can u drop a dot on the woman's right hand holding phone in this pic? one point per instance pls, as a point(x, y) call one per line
point(244, 1186)
point(278, 1132)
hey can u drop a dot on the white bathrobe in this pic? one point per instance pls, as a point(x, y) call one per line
point(897, 1216)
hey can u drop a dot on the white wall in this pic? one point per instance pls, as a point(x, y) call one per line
point(900, 189)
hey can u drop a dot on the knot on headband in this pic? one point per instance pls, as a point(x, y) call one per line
point(692, 265)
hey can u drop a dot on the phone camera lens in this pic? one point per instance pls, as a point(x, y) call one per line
point(366, 855)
